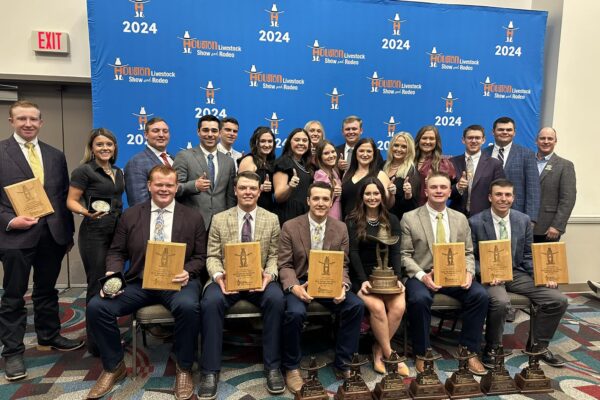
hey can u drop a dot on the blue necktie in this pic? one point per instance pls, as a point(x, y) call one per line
point(159, 226)
point(211, 170)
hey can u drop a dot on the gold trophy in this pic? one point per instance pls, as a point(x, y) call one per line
point(312, 389)
point(383, 278)
point(354, 387)
point(532, 378)
point(498, 380)
point(427, 385)
point(392, 384)
point(462, 384)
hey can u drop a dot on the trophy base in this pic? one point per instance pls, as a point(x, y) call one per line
point(392, 390)
point(462, 390)
point(498, 384)
point(384, 282)
point(342, 394)
point(536, 385)
point(314, 395)
point(430, 392)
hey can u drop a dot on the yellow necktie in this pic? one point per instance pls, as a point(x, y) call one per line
point(440, 232)
point(34, 162)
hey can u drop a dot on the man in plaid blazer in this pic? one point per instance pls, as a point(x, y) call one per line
point(245, 222)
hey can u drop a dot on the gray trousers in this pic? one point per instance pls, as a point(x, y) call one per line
point(551, 304)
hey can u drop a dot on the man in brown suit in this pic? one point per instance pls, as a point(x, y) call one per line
point(160, 219)
point(315, 230)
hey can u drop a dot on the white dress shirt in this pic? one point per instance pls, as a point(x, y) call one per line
point(157, 153)
point(318, 245)
point(25, 150)
point(506, 152)
point(497, 219)
point(215, 161)
point(475, 157)
point(167, 219)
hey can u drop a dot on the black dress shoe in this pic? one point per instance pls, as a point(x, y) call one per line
point(60, 343)
point(208, 386)
point(552, 360)
point(14, 367)
point(275, 382)
point(595, 286)
point(487, 360)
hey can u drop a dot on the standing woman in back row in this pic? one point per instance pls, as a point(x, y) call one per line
point(96, 192)
point(429, 158)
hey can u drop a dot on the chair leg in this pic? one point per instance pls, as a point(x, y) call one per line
point(134, 346)
point(144, 339)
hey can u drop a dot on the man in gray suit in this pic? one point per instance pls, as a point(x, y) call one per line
point(500, 222)
point(421, 228)
point(558, 184)
point(205, 174)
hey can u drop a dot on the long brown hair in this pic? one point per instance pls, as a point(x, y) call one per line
point(436, 156)
point(359, 214)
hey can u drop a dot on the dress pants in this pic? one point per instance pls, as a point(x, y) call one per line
point(474, 309)
point(95, 237)
point(214, 304)
point(46, 260)
point(350, 313)
point(551, 305)
point(184, 305)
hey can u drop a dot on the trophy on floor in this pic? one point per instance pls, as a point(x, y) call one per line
point(498, 380)
point(532, 378)
point(312, 389)
point(354, 387)
point(392, 384)
point(383, 278)
point(427, 385)
point(462, 384)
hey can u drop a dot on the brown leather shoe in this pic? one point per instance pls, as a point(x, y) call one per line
point(476, 367)
point(107, 381)
point(184, 384)
point(293, 380)
point(419, 365)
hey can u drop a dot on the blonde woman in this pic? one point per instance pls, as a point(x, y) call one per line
point(401, 170)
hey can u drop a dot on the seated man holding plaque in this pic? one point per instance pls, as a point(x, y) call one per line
point(164, 226)
point(299, 237)
point(422, 228)
point(501, 222)
point(242, 262)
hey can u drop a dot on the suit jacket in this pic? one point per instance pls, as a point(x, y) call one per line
point(294, 248)
point(521, 169)
point(136, 176)
point(133, 232)
point(14, 168)
point(488, 169)
point(558, 183)
point(521, 236)
point(416, 246)
point(224, 229)
point(190, 165)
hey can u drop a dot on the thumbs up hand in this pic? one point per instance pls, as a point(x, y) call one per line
point(295, 181)
point(392, 186)
point(203, 183)
point(463, 182)
point(407, 188)
point(267, 185)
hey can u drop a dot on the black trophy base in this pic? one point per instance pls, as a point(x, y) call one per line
point(462, 387)
point(311, 395)
point(342, 394)
point(540, 384)
point(390, 390)
point(493, 385)
point(429, 392)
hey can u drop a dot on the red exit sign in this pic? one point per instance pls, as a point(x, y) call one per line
point(50, 42)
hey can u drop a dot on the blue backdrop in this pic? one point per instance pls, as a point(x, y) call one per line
point(398, 65)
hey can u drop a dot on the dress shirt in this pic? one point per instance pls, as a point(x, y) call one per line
point(313, 226)
point(158, 153)
point(233, 153)
point(167, 219)
point(541, 162)
point(506, 152)
point(346, 148)
point(433, 219)
point(25, 150)
point(497, 219)
point(475, 157)
point(241, 213)
point(215, 161)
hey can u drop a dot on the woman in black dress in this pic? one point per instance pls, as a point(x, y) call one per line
point(95, 192)
point(261, 160)
point(400, 168)
point(293, 176)
point(369, 218)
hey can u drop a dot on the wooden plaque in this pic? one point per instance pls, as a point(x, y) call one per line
point(550, 263)
point(243, 266)
point(29, 199)
point(164, 260)
point(325, 273)
point(449, 264)
point(495, 260)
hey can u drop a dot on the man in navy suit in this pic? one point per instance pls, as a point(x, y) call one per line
point(476, 172)
point(520, 167)
point(500, 222)
point(157, 135)
point(26, 241)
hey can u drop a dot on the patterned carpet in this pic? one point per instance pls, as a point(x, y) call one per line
point(64, 376)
